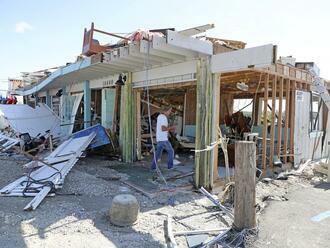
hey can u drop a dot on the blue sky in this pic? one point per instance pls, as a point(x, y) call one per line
point(37, 34)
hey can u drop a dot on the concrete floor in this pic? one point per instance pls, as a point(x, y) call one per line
point(290, 224)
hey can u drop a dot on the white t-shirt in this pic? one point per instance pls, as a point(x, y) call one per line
point(161, 121)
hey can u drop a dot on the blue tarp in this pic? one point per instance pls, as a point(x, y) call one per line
point(100, 139)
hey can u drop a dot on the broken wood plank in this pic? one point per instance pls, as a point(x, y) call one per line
point(32, 205)
point(168, 233)
point(180, 176)
point(199, 231)
point(137, 188)
point(216, 202)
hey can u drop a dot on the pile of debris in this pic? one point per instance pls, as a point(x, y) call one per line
point(50, 174)
point(33, 133)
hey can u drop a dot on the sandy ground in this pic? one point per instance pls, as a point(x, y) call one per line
point(290, 223)
point(81, 220)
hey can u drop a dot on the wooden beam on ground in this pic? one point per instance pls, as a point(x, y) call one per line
point(272, 128)
point(245, 185)
point(264, 130)
point(168, 233)
point(279, 122)
point(287, 114)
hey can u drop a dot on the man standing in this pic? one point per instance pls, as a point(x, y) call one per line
point(162, 139)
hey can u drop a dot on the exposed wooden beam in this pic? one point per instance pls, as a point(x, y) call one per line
point(279, 122)
point(292, 122)
point(272, 128)
point(264, 130)
point(138, 125)
point(287, 110)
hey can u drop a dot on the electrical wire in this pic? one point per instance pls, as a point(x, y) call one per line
point(146, 65)
point(44, 182)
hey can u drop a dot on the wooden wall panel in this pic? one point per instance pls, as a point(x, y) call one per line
point(190, 110)
point(226, 106)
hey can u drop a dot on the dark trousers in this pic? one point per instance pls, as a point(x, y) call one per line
point(163, 145)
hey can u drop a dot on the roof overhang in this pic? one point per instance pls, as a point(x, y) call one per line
point(134, 57)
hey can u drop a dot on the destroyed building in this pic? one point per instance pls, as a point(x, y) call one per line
point(243, 118)
point(203, 79)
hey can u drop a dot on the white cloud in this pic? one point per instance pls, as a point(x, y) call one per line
point(22, 27)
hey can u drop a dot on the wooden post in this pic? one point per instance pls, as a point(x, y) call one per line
point(204, 125)
point(215, 124)
point(328, 162)
point(245, 185)
point(117, 108)
point(138, 125)
point(287, 110)
point(292, 122)
point(272, 127)
point(264, 130)
point(87, 105)
point(128, 122)
point(255, 113)
point(279, 122)
point(184, 115)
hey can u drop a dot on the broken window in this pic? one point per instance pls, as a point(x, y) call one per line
point(315, 106)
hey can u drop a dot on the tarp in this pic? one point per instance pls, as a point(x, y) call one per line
point(25, 119)
point(100, 139)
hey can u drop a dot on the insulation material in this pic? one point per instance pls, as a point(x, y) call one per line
point(25, 119)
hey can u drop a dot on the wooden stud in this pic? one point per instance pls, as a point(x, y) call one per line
point(279, 120)
point(256, 104)
point(138, 125)
point(215, 122)
point(327, 145)
point(245, 185)
point(292, 122)
point(272, 128)
point(264, 130)
point(184, 115)
point(116, 115)
point(287, 110)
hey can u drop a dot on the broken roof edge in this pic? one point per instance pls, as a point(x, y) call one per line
point(85, 62)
